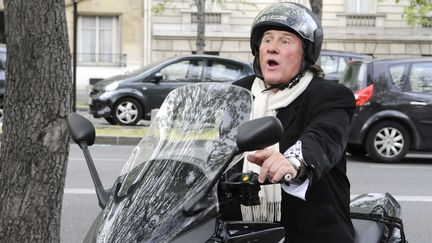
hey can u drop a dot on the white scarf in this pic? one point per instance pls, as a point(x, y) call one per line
point(266, 104)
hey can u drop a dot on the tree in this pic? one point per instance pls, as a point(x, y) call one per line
point(35, 142)
point(200, 44)
point(316, 6)
point(418, 12)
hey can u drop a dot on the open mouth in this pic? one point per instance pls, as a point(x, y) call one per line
point(272, 63)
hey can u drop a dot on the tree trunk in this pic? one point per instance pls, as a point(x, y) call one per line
point(316, 6)
point(200, 44)
point(35, 141)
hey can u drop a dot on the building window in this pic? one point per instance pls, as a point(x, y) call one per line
point(360, 6)
point(99, 40)
point(360, 13)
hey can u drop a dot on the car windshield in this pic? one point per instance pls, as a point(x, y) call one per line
point(355, 76)
point(192, 135)
point(145, 68)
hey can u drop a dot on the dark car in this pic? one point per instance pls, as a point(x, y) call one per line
point(128, 98)
point(2, 78)
point(394, 107)
point(334, 62)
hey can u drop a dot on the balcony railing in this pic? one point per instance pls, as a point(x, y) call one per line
point(361, 20)
point(210, 18)
point(101, 59)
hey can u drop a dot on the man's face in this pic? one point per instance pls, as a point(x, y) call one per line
point(280, 56)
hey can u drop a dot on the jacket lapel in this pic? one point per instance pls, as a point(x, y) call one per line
point(287, 114)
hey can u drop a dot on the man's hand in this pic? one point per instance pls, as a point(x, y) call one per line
point(273, 165)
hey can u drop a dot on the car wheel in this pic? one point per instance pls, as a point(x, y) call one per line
point(127, 111)
point(355, 149)
point(110, 120)
point(387, 142)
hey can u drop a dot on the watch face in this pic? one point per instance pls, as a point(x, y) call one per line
point(295, 163)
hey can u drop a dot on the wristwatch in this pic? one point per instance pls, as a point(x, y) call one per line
point(295, 163)
point(298, 165)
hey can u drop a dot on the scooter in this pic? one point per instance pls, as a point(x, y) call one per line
point(169, 188)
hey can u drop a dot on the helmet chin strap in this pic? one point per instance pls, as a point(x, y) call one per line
point(293, 82)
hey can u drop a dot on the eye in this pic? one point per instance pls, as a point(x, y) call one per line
point(285, 42)
point(266, 40)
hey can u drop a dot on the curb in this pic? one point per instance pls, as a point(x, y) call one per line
point(117, 140)
point(113, 140)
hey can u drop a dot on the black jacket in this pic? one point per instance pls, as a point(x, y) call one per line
point(320, 119)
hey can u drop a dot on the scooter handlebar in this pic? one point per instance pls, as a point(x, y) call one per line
point(246, 186)
point(251, 179)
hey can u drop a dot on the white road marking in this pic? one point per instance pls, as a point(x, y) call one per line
point(401, 198)
point(79, 191)
point(404, 167)
point(83, 159)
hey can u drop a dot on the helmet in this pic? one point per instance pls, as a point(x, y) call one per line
point(291, 17)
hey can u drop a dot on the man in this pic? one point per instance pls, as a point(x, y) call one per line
point(286, 41)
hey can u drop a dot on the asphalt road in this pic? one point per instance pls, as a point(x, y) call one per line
point(408, 181)
point(80, 205)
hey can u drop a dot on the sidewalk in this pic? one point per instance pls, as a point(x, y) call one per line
point(111, 134)
point(115, 134)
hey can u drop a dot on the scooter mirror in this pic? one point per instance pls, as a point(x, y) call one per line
point(259, 133)
point(81, 129)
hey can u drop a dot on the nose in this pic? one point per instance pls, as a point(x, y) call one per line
point(272, 47)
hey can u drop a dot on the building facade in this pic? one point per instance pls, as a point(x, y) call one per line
point(117, 36)
point(113, 37)
point(362, 26)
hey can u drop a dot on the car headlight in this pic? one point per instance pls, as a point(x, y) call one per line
point(111, 87)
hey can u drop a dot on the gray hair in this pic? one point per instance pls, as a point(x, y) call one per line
point(317, 70)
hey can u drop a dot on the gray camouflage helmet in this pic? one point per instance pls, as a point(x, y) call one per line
point(294, 18)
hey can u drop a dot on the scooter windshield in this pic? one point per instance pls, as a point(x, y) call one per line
point(192, 135)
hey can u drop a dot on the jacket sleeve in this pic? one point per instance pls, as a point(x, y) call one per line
point(325, 138)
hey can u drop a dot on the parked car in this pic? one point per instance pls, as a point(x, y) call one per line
point(394, 107)
point(2, 78)
point(334, 62)
point(128, 98)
